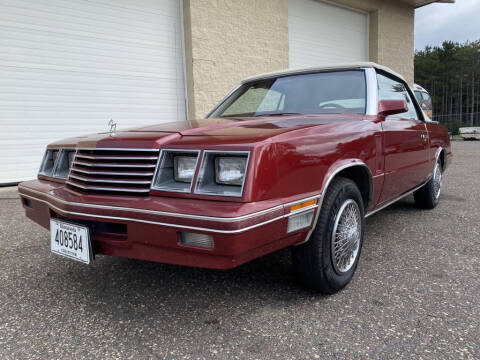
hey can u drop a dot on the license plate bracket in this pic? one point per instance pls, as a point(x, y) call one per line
point(70, 240)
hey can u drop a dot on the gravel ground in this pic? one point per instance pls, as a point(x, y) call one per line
point(416, 294)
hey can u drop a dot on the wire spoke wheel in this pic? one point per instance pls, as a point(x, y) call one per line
point(437, 181)
point(346, 236)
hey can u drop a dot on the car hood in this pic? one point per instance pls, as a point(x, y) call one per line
point(252, 129)
point(255, 126)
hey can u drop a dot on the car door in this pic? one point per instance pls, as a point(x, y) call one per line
point(405, 141)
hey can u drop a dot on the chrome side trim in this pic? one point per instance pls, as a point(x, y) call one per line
point(395, 200)
point(162, 223)
point(165, 213)
point(322, 195)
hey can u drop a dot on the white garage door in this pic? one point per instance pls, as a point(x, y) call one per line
point(68, 66)
point(320, 33)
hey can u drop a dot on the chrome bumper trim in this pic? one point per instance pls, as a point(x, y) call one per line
point(152, 212)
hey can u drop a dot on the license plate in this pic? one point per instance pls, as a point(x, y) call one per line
point(70, 240)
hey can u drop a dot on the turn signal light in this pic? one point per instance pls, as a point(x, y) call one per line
point(302, 205)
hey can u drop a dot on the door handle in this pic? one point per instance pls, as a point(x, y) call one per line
point(424, 137)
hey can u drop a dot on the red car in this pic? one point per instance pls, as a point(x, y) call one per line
point(290, 159)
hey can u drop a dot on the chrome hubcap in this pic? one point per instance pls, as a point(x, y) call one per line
point(346, 234)
point(437, 180)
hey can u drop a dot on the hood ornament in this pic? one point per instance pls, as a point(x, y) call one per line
point(113, 127)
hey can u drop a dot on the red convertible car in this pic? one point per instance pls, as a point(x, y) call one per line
point(289, 159)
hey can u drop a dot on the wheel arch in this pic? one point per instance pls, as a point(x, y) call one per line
point(442, 156)
point(355, 170)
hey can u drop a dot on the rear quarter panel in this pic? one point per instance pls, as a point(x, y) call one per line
point(439, 139)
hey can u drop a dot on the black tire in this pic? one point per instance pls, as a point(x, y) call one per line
point(313, 261)
point(425, 197)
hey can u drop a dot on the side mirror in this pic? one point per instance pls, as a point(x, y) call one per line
point(392, 107)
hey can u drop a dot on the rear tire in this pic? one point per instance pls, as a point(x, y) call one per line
point(428, 196)
point(327, 262)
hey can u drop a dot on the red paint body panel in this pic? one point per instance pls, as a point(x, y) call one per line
point(291, 158)
point(406, 159)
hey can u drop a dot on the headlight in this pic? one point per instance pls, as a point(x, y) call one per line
point(222, 173)
point(175, 170)
point(184, 168)
point(57, 162)
point(230, 170)
point(64, 163)
point(48, 162)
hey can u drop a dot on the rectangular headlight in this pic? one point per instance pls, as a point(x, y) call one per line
point(222, 172)
point(64, 163)
point(230, 170)
point(184, 168)
point(48, 162)
point(175, 170)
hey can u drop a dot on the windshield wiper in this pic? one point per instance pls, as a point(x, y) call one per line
point(277, 114)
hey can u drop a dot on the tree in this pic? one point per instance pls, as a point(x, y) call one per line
point(451, 73)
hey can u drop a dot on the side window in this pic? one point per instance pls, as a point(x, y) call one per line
point(427, 99)
point(418, 95)
point(389, 89)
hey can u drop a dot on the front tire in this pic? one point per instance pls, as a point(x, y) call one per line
point(428, 196)
point(327, 262)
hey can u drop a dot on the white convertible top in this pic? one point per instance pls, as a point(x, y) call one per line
point(340, 66)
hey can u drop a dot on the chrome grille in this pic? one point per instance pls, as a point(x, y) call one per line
point(113, 170)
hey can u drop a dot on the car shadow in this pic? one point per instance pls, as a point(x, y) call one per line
point(128, 289)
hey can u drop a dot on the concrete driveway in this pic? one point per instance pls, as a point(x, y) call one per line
point(416, 294)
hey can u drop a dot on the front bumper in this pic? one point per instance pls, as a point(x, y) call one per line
point(148, 228)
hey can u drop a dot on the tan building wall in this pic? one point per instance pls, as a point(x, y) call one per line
point(228, 40)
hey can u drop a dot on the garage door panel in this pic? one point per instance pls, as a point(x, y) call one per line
point(92, 40)
point(23, 39)
point(29, 20)
point(41, 39)
point(67, 67)
point(22, 57)
point(50, 78)
point(322, 33)
point(79, 13)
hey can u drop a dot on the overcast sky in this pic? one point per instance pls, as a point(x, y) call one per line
point(438, 22)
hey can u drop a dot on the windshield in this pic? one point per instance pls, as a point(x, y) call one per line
point(338, 92)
